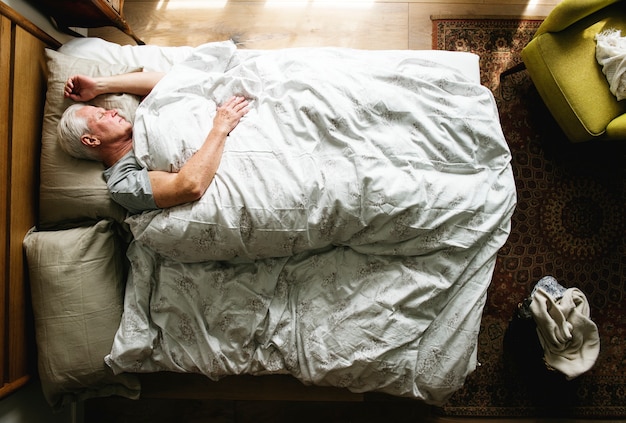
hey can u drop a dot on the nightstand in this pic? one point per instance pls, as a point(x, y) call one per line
point(88, 14)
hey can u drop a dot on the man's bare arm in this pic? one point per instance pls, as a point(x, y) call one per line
point(85, 88)
point(193, 179)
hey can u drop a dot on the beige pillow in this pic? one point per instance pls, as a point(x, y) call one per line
point(77, 279)
point(73, 191)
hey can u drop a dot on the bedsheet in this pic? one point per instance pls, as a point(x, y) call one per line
point(349, 236)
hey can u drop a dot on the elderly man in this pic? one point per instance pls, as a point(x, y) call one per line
point(95, 133)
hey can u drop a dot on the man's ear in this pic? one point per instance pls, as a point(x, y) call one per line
point(90, 140)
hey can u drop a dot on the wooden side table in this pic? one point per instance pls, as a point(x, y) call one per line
point(88, 14)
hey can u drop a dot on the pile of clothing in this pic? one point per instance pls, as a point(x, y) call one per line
point(568, 336)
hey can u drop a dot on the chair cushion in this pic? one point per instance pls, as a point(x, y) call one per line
point(568, 77)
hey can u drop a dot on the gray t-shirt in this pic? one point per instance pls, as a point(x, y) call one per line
point(129, 184)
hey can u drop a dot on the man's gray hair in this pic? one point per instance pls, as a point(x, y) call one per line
point(70, 130)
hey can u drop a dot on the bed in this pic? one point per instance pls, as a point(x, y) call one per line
point(344, 247)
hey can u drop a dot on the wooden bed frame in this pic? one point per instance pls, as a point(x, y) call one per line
point(23, 71)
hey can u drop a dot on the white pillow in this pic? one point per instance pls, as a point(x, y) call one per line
point(151, 58)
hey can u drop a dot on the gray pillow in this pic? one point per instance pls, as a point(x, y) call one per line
point(77, 278)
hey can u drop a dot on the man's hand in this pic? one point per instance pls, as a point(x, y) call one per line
point(80, 88)
point(229, 114)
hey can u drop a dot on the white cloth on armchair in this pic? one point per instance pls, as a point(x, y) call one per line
point(611, 55)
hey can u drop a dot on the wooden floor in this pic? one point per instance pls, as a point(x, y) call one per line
point(268, 24)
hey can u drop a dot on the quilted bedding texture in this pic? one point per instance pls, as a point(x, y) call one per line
point(350, 233)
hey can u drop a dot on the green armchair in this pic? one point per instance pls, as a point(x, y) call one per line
point(562, 64)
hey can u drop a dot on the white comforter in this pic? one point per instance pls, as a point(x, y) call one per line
point(350, 233)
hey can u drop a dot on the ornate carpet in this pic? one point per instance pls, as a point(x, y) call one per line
point(569, 223)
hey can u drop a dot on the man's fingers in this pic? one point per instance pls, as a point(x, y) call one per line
point(235, 100)
point(72, 88)
point(69, 86)
point(239, 108)
point(232, 101)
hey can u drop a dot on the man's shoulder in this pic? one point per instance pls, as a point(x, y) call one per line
point(128, 163)
point(129, 184)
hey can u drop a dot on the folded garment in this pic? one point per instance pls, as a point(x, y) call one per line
point(569, 338)
point(611, 55)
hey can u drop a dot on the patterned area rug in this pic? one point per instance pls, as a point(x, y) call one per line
point(569, 223)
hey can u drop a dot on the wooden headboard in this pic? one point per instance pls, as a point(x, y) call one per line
point(22, 77)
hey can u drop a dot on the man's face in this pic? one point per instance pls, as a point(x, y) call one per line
point(106, 124)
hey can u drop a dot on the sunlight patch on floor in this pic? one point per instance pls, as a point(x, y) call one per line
point(190, 4)
point(326, 4)
point(531, 7)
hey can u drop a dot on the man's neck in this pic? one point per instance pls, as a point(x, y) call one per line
point(116, 152)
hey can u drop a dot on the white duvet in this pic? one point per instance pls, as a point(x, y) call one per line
point(350, 233)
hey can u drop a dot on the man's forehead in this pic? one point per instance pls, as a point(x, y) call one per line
point(88, 110)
